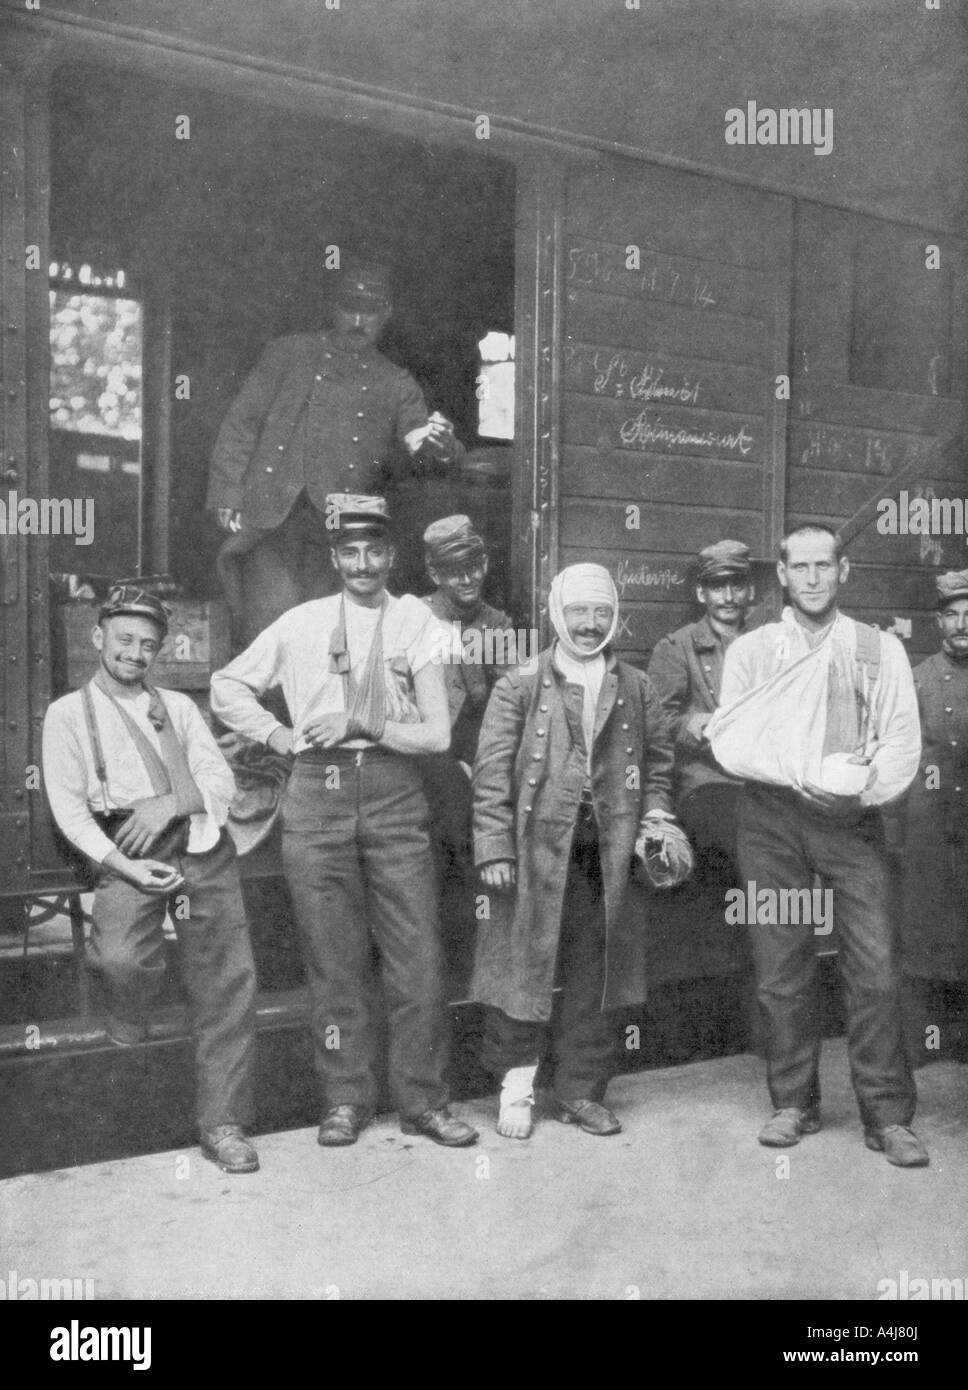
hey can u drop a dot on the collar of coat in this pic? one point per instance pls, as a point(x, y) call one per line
point(485, 616)
point(606, 698)
point(704, 639)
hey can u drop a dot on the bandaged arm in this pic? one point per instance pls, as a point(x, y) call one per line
point(896, 726)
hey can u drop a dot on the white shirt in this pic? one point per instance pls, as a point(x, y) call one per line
point(293, 654)
point(70, 776)
point(756, 656)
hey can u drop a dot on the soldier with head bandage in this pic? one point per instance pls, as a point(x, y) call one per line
point(572, 783)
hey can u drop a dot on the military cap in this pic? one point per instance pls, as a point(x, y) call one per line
point(451, 540)
point(723, 559)
point(128, 598)
point(349, 515)
point(363, 285)
point(952, 585)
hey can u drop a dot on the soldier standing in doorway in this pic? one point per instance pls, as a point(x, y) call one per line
point(320, 413)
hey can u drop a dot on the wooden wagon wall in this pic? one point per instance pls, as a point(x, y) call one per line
point(690, 310)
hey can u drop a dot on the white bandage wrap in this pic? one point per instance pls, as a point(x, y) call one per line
point(664, 850)
point(517, 1088)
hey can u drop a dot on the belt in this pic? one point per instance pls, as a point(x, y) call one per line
point(347, 756)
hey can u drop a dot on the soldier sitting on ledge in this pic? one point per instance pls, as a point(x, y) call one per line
point(137, 783)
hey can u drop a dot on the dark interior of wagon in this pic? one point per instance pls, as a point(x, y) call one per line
point(218, 216)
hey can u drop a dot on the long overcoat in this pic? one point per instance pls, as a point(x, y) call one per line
point(528, 779)
point(934, 922)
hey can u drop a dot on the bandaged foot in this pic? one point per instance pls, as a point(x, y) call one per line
point(517, 1103)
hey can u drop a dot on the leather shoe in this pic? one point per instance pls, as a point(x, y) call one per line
point(788, 1126)
point(342, 1124)
point(899, 1145)
point(588, 1115)
point(227, 1146)
point(442, 1127)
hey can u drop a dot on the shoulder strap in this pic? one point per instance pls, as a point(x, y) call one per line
point(90, 718)
point(868, 652)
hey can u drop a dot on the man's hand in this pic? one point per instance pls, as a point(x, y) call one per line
point(229, 518)
point(500, 875)
point(435, 438)
point(328, 730)
point(149, 818)
point(280, 740)
point(696, 726)
point(440, 438)
point(150, 875)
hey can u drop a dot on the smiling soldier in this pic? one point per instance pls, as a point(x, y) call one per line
point(138, 784)
point(361, 676)
point(573, 779)
point(457, 562)
point(686, 669)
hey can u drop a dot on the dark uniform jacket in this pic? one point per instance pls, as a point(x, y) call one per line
point(528, 779)
point(469, 684)
point(686, 669)
point(935, 861)
point(311, 415)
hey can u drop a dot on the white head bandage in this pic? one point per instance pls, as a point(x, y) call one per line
point(582, 584)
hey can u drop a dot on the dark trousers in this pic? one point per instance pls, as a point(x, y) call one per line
point(357, 857)
point(127, 950)
point(449, 795)
point(582, 1038)
point(285, 567)
point(781, 845)
point(709, 816)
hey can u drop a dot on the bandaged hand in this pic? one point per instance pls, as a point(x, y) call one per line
point(664, 851)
